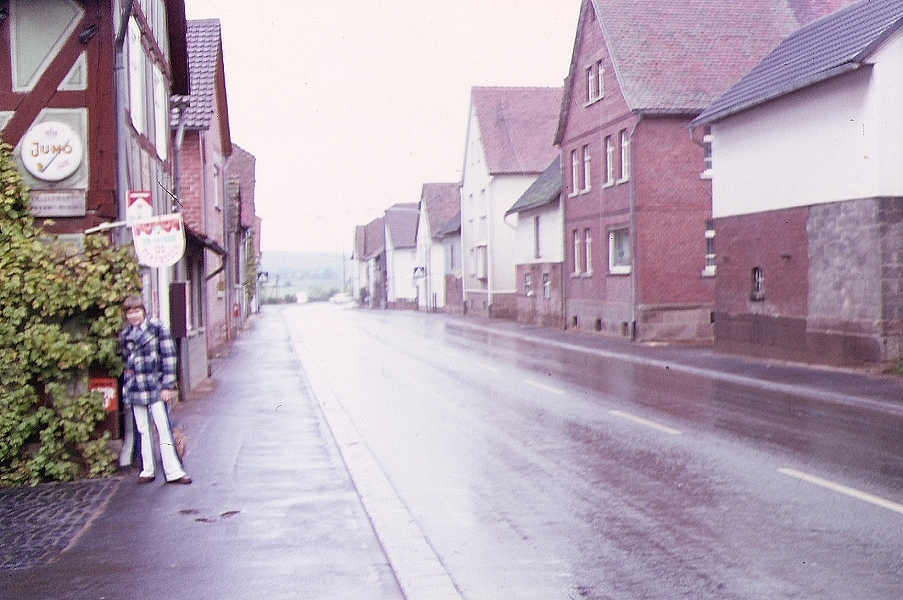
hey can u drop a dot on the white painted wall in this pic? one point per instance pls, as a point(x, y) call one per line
point(400, 263)
point(839, 140)
point(551, 235)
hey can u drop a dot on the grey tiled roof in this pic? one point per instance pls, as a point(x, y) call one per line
point(835, 44)
point(450, 227)
point(401, 224)
point(204, 43)
point(545, 190)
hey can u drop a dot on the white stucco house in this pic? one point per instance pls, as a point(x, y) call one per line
point(401, 254)
point(439, 202)
point(538, 216)
point(807, 167)
point(509, 142)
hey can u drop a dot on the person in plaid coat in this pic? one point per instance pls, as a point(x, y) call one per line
point(149, 382)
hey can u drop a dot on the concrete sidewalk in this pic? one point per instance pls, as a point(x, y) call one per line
point(272, 512)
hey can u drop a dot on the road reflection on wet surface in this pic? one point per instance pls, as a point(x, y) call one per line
point(549, 470)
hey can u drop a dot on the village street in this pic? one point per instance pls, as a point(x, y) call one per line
point(536, 463)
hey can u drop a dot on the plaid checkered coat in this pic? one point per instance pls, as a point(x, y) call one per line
point(150, 362)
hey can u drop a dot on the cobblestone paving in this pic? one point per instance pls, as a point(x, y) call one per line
point(37, 523)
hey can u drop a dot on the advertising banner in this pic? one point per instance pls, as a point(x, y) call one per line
point(159, 241)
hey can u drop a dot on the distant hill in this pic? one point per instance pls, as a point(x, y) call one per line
point(291, 272)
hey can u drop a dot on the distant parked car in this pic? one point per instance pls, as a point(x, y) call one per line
point(342, 299)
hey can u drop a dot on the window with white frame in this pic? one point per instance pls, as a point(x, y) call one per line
point(586, 168)
point(482, 262)
point(576, 240)
point(546, 286)
point(619, 251)
point(575, 173)
point(757, 293)
point(625, 156)
point(707, 154)
point(710, 267)
point(528, 283)
point(137, 78)
point(587, 252)
point(595, 82)
point(609, 161)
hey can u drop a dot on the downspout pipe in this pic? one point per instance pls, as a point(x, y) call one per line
point(634, 244)
point(122, 170)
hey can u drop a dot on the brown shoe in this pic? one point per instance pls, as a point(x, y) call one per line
point(183, 480)
point(146, 479)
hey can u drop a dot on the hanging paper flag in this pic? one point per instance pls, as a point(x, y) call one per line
point(159, 241)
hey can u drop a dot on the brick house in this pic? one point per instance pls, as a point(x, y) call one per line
point(636, 194)
point(508, 144)
point(539, 250)
point(439, 202)
point(401, 254)
point(59, 60)
point(203, 144)
point(244, 231)
point(808, 194)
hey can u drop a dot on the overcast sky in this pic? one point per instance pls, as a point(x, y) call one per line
point(350, 107)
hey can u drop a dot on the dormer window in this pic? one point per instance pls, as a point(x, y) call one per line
point(595, 82)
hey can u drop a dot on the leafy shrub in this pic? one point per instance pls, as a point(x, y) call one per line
point(59, 318)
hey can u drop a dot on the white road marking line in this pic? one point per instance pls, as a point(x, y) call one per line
point(842, 489)
point(545, 387)
point(486, 367)
point(646, 422)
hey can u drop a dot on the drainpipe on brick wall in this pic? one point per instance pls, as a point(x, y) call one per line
point(634, 276)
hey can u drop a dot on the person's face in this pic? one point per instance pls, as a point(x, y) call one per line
point(135, 316)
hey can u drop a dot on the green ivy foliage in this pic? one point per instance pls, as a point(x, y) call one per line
point(59, 319)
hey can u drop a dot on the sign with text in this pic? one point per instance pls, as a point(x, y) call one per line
point(139, 207)
point(58, 203)
point(159, 241)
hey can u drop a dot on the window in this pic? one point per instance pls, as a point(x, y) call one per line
point(758, 284)
point(707, 154)
point(586, 168)
point(710, 267)
point(625, 156)
point(576, 240)
point(619, 251)
point(588, 251)
point(595, 82)
point(137, 81)
point(546, 286)
point(609, 161)
point(528, 284)
point(575, 173)
point(536, 249)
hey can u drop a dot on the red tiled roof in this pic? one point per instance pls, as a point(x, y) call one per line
point(440, 201)
point(517, 127)
point(680, 56)
point(374, 239)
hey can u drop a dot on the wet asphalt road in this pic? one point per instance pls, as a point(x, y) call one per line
point(554, 470)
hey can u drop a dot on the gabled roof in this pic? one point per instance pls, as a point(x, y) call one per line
point(677, 57)
point(832, 45)
point(451, 227)
point(545, 190)
point(208, 79)
point(401, 224)
point(440, 202)
point(517, 127)
point(374, 242)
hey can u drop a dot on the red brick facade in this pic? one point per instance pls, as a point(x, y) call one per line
point(653, 189)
